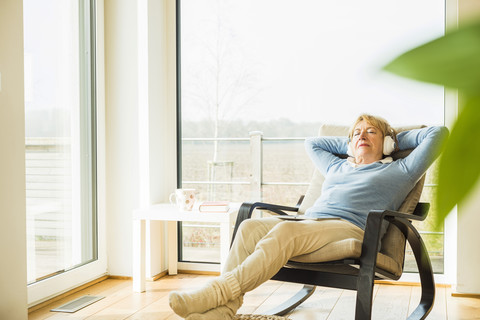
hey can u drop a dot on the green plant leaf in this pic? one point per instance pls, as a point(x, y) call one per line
point(459, 166)
point(452, 60)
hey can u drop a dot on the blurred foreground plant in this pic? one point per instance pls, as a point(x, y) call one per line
point(453, 61)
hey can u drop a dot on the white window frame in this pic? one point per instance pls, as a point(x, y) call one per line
point(449, 275)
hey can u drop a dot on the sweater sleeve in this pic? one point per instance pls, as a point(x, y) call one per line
point(427, 143)
point(323, 150)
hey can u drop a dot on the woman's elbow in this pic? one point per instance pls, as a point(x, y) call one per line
point(441, 133)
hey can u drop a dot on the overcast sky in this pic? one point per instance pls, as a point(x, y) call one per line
point(308, 60)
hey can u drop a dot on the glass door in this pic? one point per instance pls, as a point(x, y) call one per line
point(60, 136)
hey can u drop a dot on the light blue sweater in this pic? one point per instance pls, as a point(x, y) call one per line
point(351, 192)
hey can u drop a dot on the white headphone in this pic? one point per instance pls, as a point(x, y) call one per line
point(389, 146)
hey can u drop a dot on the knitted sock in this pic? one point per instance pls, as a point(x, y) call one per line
point(215, 293)
point(225, 312)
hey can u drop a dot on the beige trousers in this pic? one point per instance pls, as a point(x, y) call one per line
point(262, 246)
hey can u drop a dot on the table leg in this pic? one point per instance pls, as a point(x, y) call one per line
point(225, 237)
point(139, 255)
point(172, 247)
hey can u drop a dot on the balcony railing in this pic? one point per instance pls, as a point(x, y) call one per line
point(48, 199)
point(49, 180)
point(256, 181)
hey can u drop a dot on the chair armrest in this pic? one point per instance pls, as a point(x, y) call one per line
point(246, 209)
point(372, 237)
point(275, 208)
point(419, 214)
point(370, 248)
point(300, 200)
point(421, 210)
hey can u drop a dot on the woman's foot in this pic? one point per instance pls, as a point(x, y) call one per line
point(225, 312)
point(215, 293)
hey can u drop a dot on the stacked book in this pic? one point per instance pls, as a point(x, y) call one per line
point(214, 206)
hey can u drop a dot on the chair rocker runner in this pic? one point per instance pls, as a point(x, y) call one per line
point(351, 264)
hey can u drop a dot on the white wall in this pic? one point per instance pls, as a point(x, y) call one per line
point(140, 124)
point(468, 254)
point(13, 268)
point(121, 130)
point(160, 110)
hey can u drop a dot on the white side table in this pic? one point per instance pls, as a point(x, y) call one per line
point(171, 214)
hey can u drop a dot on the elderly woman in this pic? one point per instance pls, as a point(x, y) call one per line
point(352, 187)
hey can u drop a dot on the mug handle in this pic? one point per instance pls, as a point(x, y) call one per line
point(171, 198)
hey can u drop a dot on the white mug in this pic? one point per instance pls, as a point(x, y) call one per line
point(184, 198)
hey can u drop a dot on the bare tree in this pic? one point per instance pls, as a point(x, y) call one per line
point(223, 83)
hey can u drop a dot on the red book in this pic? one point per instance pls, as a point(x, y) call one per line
point(214, 206)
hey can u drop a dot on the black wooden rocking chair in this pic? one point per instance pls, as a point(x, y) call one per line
point(351, 264)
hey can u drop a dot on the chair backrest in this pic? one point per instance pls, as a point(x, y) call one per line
point(315, 188)
point(393, 243)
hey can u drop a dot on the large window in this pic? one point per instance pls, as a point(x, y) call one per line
point(259, 76)
point(60, 136)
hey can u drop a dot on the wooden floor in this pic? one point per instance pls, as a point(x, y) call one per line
point(391, 301)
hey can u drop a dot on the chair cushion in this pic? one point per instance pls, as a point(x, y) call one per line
point(349, 248)
point(392, 251)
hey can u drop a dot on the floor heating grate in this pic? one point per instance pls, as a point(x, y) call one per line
point(77, 304)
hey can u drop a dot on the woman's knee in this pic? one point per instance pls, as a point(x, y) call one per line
point(286, 228)
point(280, 234)
point(253, 230)
point(256, 228)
